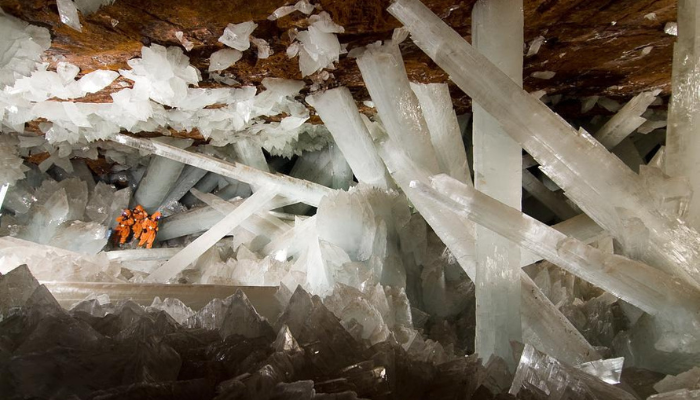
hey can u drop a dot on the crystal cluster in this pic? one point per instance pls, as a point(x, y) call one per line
point(353, 258)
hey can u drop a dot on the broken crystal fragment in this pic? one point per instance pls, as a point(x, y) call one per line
point(237, 36)
point(224, 58)
point(69, 14)
point(264, 50)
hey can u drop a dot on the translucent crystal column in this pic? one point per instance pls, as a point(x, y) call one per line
point(294, 189)
point(161, 176)
point(338, 111)
point(597, 181)
point(445, 135)
point(384, 74)
point(683, 131)
point(543, 325)
point(209, 238)
point(497, 29)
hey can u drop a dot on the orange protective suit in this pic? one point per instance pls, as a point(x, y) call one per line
point(124, 225)
point(150, 229)
point(140, 215)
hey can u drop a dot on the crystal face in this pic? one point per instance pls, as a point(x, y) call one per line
point(306, 238)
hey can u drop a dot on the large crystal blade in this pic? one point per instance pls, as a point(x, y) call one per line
point(209, 238)
point(300, 190)
point(598, 182)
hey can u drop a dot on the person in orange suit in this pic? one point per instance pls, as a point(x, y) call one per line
point(150, 229)
point(140, 215)
point(124, 224)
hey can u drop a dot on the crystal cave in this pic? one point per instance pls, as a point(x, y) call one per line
point(362, 199)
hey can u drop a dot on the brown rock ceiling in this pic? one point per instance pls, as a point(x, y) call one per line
point(594, 46)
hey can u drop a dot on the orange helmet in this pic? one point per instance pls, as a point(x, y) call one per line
point(139, 208)
point(126, 213)
point(156, 215)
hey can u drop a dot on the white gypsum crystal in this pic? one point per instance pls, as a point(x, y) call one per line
point(445, 135)
point(320, 47)
point(294, 189)
point(565, 155)
point(188, 179)
point(626, 121)
point(189, 222)
point(384, 74)
point(580, 227)
point(200, 245)
point(69, 14)
point(237, 36)
point(651, 290)
point(249, 152)
point(339, 113)
point(608, 371)
point(545, 196)
point(497, 27)
point(12, 166)
point(535, 46)
point(544, 326)
point(560, 381)
point(224, 58)
point(682, 139)
point(22, 47)
point(264, 50)
point(96, 80)
point(160, 177)
point(88, 7)
point(184, 41)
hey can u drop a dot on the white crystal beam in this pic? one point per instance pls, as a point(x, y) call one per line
point(683, 131)
point(338, 111)
point(543, 325)
point(445, 135)
point(160, 177)
point(626, 121)
point(651, 290)
point(188, 179)
point(385, 76)
point(597, 181)
point(497, 27)
point(191, 253)
point(580, 227)
point(296, 189)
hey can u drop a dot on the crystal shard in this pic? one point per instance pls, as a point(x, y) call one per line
point(69, 14)
point(160, 177)
point(237, 36)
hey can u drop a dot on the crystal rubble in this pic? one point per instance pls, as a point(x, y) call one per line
point(23, 45)
point(498, 34)
point(543, 324)
point(161, 176)
point(647, 288)
point(195, 249)
point(302, 191)
point(556, 380)
point(318, 46)
point(626, 121)
point(224, 58)
point(563, 153)
point(682, 141)
point(385, 76)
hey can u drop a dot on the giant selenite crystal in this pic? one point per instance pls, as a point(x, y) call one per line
point(605, 189)
point(497, 27)
point(653, 291)
point(682, 137)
